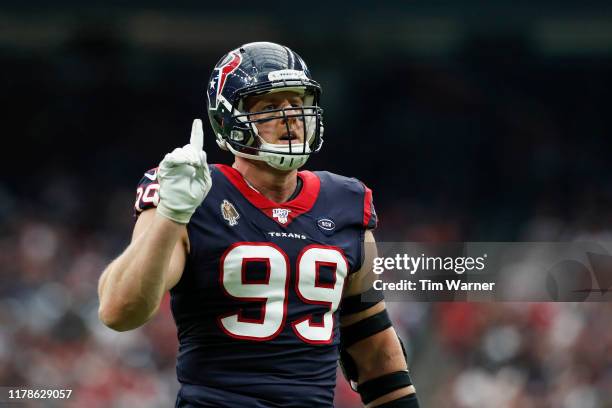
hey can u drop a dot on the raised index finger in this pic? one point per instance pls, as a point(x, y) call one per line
point(197, 135)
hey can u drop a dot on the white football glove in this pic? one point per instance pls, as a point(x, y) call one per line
point(184, 178)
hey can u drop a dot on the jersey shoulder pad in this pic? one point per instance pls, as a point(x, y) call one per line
point(147, 192)
point(353, 190)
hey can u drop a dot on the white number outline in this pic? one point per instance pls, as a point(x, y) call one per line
point(317, 283)
point(264, 300)
point(146, 196)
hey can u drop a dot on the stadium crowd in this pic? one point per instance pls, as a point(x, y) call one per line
point(463, 354)
point(480, 144)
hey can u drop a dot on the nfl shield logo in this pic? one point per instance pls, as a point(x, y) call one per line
point(281, 214)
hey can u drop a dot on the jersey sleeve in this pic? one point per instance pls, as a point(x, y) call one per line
point(147, 192)
point(370, 219)
point(353, 203)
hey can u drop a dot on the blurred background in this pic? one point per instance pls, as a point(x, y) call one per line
point(471, 121)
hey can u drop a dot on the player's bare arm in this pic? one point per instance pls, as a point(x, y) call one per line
point(132, 286)
point(378, 356)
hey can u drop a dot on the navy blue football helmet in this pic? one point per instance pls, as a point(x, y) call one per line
point(256, 69)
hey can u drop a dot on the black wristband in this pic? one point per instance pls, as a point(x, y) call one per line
point(383, 385)
point(409, 401)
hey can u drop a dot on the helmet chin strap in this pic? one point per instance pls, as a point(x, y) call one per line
point(282, 161)
point(279, 161)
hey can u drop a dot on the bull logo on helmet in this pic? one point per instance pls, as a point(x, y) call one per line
point(233, 62)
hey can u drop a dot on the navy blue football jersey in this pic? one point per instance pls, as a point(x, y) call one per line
point(257, 305)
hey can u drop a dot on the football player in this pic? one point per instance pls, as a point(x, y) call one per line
point(266, 265)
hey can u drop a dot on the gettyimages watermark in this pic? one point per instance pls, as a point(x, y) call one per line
point(491, 271)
